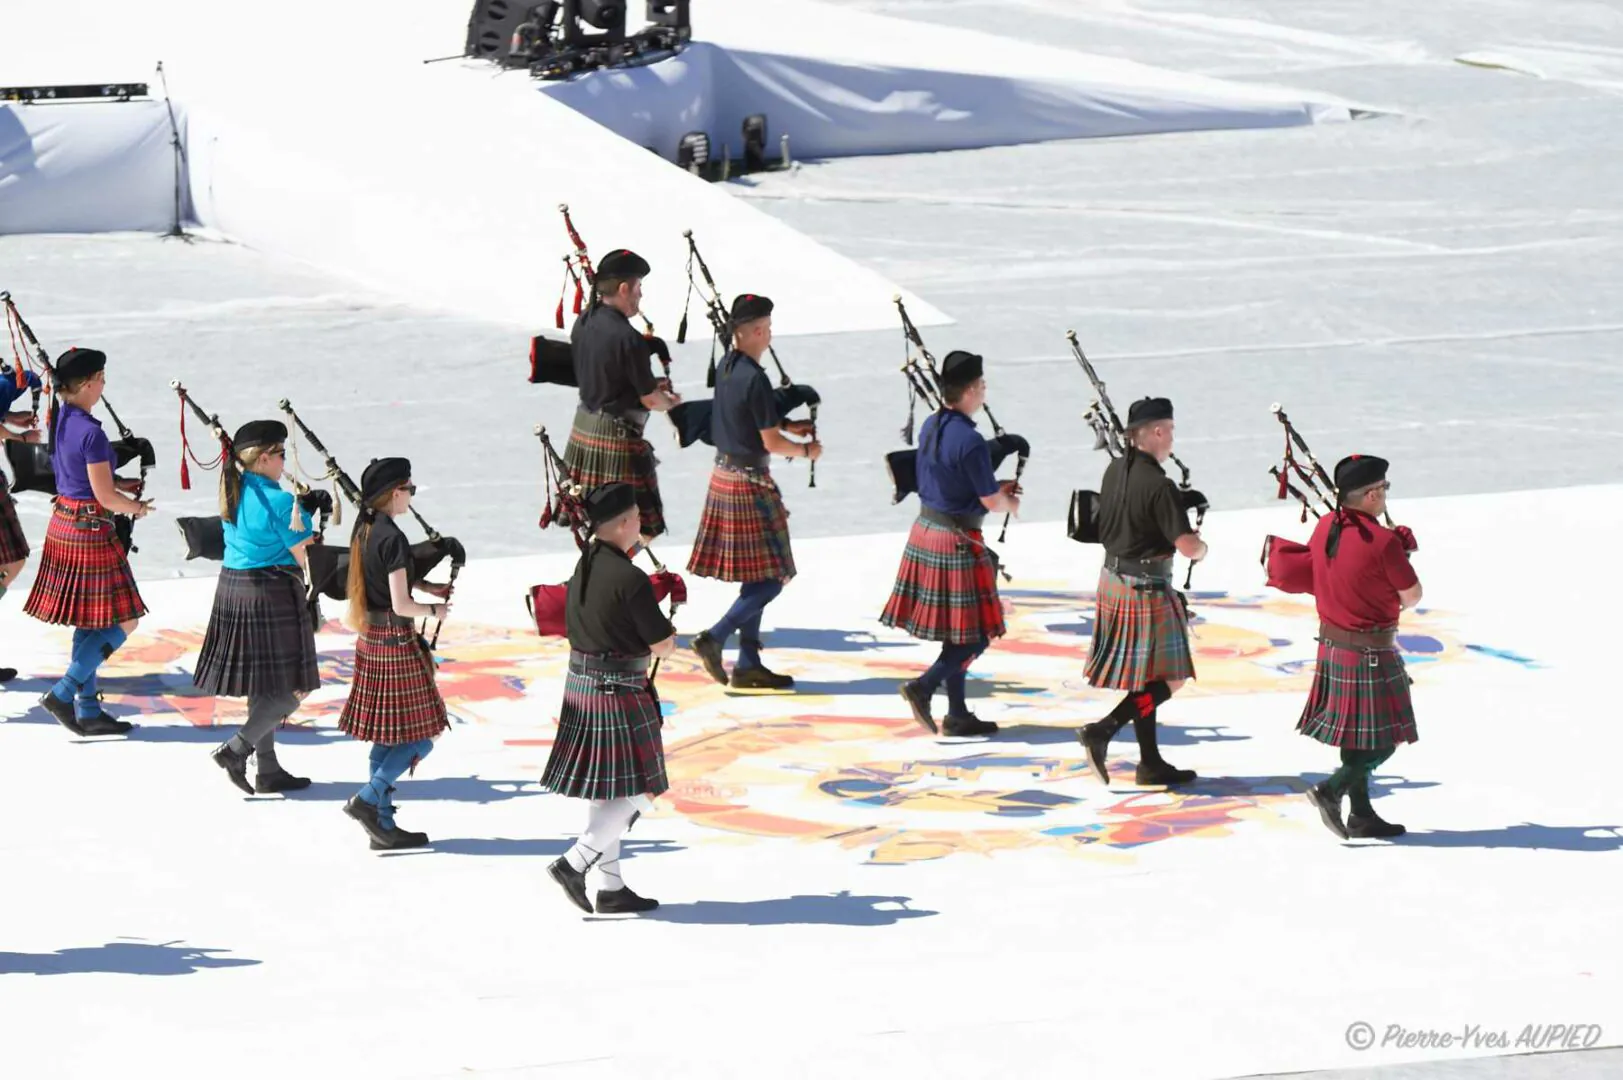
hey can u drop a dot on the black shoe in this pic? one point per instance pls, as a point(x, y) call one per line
point(279, 779)
point(572, 882)
point(759, 678)
point(1371, 827)
point(367, 814)
point(399, 838)
point(968, 724)
point(1160, 774)
point(1095, 740)
point(235, 764)
point(7, 674)
point(102, 724)
point(62, 712)
point(623, 901)
point(709, 651)
point(919, 702)
point(1329, 808)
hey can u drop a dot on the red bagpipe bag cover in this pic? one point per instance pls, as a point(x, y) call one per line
point(547, 602)
point(1290, 565)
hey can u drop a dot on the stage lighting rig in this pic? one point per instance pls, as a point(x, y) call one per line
point(34, 95)
point(560, 38)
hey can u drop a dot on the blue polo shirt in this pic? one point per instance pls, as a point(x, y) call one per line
point(260, 537)
point(954, 465)
point(743, 406)
point(77, 443)
point(9, 390)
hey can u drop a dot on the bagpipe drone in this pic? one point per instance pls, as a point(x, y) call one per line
point(924, 384)
point(31, 462)
point(1109, 435)
point(692, 418)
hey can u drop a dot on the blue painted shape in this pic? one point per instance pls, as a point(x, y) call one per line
point(1419, 644)
point(1505, 654)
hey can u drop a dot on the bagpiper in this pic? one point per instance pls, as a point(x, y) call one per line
point(617, 390)
point(608, 749)
point(946, 586)
point(1141, 628)
point(18, 426)
point(260, 642)
point(393, 701)
point(1360, 703)
point(84, 578)
point(744, 530)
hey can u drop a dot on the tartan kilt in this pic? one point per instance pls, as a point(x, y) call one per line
point(13, 541)
point(603, 449)
point(1355, 706)
point(1140, 635)
point(84, 578)
point(744, 530)
point(946, 589)
point(608, 744)
point(259, 639)
point(392, 699)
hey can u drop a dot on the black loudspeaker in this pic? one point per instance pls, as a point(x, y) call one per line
point(608, 17)
point(672, 14)
point(491, 26)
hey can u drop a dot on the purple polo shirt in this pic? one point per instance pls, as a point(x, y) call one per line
point(77, 443)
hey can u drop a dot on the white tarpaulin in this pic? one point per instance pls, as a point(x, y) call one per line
point(92, 167)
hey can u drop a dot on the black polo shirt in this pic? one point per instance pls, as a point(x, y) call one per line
point(611, 361)
point(743, 406)
point(616, 611)
point(387, 550)
point(1140, 512)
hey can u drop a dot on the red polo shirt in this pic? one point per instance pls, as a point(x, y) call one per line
point(1358, 589)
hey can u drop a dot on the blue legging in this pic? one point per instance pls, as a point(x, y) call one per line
point(91, 648)
point(389, 763)
point(745, 617)
point(952, 668)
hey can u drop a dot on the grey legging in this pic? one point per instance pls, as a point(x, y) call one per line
point(265, 712)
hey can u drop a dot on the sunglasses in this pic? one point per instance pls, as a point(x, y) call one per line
point(409, 489)
point(275, 451)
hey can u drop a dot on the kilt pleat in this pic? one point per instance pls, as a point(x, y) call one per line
point(608, 744)
point(1140, 635)
point(946, 587)
point(744, 529)
point(259, 638)
point(603, 449)
point(392, 699)
point(13, 541)
point(1356, 706)
point(84, 578)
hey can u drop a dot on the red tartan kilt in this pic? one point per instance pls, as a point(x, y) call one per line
point(392, 699)
point(84, 578)
point(603, 450)
point(13, 541)
point(1358, 707)
point(1140, 635)
point(744, 530)
point(946, 588)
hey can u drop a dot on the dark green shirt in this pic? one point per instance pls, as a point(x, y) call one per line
point(1141, 514)
point(614, 611)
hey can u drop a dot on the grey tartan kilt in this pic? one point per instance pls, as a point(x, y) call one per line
point(259, 639)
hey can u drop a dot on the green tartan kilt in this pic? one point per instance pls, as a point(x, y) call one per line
point(1140, 634)
point(603, 449)
point(608, 744)
point(1357, 705)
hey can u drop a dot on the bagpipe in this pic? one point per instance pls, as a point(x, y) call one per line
point(1110, 435)
point(554, 361)
point(693, 418)
point(1289, 564)
point(205, 536)
point(329, 563)
point(924, 384)
point(565, 507)
point(31, 462)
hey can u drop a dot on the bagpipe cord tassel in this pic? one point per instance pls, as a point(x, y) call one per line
point(185, 469)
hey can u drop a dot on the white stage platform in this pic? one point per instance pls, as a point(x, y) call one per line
point(844, 894)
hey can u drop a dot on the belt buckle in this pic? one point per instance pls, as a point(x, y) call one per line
point(1374, 659)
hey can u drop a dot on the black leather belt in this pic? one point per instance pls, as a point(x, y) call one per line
point(387, 618)
point(584, 663)
point(1157, 568)
point(634, 420)
point(967, 522)
point(753, 462)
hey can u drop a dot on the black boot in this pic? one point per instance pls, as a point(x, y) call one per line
point(1371, 827)
point(623, 901)
point(918, 701)
point(967, 725)
point(7, 674)
point(235, 764)
point(573, 883)
point(1153, 770)
point(1095, 739)
point(367, 814)
point(62, 712)
point(103, 724)
point(270, 781)
point(398, 839)
point(1329, 805)
point(759, 678)
point(709, 650)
